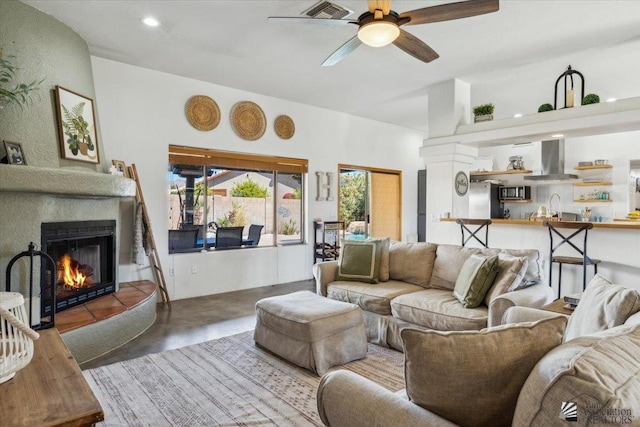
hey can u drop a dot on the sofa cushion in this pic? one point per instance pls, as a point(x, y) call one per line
point(475, 279)
point(603, 305)
point(438, 309)
point(511, 271)
point(412, 262)
point(600, 373)
point(473, 378)
point(360, 261)
point(373, 298)
point(449, 262)
point(534, 273)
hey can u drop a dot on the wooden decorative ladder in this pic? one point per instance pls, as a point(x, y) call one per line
point(154, 258)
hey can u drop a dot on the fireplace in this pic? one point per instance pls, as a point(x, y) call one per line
point(85, 257)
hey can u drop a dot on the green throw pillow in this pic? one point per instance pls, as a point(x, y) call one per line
point(360, 261)
point(475, 279)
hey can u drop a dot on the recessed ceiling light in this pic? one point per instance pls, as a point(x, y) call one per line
point(150, 21)
point(517, 115)
point(557, 135)
point(611, 100)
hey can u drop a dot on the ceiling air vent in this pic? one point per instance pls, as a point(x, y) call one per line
point(327, 10)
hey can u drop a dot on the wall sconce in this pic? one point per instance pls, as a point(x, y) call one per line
point(569, 94)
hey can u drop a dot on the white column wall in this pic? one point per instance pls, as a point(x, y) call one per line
point(142, 113)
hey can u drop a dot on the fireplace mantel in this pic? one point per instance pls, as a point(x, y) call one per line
point(64, 181)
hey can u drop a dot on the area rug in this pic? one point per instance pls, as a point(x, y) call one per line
point(224, 382)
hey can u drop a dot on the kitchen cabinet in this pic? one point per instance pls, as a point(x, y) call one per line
point(327, 238)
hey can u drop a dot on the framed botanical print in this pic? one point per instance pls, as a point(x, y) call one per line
point(77, 126)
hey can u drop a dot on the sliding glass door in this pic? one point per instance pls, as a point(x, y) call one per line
point(370, 202)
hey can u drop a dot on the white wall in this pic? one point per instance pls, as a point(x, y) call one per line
point(142, 112)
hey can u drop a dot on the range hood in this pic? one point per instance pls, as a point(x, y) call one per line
point(552, 160)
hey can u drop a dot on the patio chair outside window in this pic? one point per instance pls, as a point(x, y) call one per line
point(255, 231)
point(182, 239)
point(229, 237)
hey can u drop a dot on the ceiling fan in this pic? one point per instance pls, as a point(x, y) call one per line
point(380, 26)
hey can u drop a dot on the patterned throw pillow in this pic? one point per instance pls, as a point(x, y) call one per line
point(475, 279)
point(360, 261)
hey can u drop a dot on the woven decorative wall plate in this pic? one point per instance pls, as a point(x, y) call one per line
point(285, 128)
point(248, 120)
point(203, 112)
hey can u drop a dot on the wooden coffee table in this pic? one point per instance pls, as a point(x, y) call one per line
point(50, 390)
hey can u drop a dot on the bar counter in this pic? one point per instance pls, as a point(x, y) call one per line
point(617, 223)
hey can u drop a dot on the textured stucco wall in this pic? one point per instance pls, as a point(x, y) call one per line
point(44, 48)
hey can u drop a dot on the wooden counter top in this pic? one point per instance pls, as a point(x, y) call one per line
point(629, 225)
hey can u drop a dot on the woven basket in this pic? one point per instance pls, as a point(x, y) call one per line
point(248, 120)
point(16, 338)
point(285, 128)
point(203, 112)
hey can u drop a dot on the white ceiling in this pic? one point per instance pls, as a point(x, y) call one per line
point(511, 58)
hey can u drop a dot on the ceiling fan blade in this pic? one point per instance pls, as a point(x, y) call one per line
point(383, 5)
point(342, 51)
point(450, 11)
point(415, 47)
point(314, 21)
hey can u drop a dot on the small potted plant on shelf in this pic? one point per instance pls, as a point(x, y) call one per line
point(483, 113)
point(545, 107)
point(591, 98)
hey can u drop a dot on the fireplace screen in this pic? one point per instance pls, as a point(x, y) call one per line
point(84, 253)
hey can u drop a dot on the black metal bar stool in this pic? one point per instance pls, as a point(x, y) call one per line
point(584, 260)
point(481, 223)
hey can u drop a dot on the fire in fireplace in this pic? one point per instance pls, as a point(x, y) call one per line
point(84, 252)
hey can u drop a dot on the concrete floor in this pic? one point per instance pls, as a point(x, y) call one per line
point(197, 320)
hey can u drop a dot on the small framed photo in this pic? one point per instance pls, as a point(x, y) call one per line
point(15, 156)
point(121, 168)
point(76, 126)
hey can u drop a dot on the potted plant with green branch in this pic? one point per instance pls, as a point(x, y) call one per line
point(483, 113)
point(14, 93)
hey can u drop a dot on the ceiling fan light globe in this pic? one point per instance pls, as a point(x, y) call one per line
point(378, 34)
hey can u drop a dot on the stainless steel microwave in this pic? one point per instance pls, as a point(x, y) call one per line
point(514, 192)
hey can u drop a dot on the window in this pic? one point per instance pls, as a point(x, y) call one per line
point(211, 190)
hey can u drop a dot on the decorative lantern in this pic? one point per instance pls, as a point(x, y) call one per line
point(16, 337)
point(569, 94)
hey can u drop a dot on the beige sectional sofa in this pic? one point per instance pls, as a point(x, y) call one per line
point(535, 370)
point(416, 290)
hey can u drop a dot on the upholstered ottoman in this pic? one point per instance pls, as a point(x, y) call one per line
point(311, 331)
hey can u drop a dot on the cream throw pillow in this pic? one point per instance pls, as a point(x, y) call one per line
point(603, 305)
point(511, 271)
point(473, 378)
point(384, 260)
point(475, 279)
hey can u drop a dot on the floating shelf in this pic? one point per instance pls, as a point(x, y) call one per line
point(509, 172)
point(517, 201)
point(584, 168)
point(593, 200)
point(592, 184)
